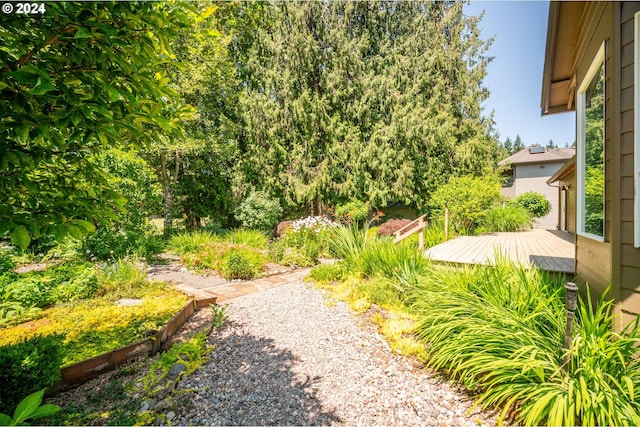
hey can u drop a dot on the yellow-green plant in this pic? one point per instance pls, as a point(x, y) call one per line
point(252, 238)
point(500, 329)
point(191, 242)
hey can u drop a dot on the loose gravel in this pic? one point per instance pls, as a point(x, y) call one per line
point(289, 356)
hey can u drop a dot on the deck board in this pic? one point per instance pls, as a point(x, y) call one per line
point(549, 250)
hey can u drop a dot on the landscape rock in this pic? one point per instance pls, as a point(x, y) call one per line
point(176, 370)
point(162, 405)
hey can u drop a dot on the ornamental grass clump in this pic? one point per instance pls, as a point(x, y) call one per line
point(190, 242)
point(499, 330)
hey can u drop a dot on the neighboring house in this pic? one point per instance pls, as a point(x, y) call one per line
point(564, 183)
point(530, 170)
point(592, 67)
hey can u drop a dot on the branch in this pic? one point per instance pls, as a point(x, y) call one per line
point(36, 49)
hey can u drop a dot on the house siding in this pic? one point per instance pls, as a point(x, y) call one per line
point(627, 269)
point(534, 177)
point(594, 258)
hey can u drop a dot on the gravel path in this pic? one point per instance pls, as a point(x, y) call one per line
point(287, 357)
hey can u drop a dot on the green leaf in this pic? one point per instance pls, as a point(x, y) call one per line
point(3, 85)
point(27, 406)
point(24, 76)
point(41, 88)
point(82, 33)
point(20, 237)
point(23, 132)
point(86, 225)
point(5, 420)
point(44, 411)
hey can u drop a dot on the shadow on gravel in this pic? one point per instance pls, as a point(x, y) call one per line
point(251, 382)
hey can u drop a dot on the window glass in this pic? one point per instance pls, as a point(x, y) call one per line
point(593, 173)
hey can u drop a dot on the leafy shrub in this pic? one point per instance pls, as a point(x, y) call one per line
point(190, 242)
point(253, 238)
point(12, 313)
point(467, 198)
point(28, 365)
point(108, 243)
point(508, 218)
point(60, 283)
point(124, 278)
point(534, 203)
point(6, 263)
point(259, 211)
point(327, 272)
point(240, 263)
point(391, 226)
point(352, 212)
point(29, 408)
point(499, 330)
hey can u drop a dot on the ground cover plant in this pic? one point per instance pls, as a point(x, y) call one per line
point(303, 242)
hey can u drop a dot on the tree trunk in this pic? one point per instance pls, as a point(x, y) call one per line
point(168, 195)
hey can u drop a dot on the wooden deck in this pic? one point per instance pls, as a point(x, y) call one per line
point(549, 250)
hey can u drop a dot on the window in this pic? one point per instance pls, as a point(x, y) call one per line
point(590, 158)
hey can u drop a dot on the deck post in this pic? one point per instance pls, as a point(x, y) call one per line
point(421, 235)
point(446, 223)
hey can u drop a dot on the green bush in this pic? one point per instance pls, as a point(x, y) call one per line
point(253, 238)
point(467, 198)
point(30, 365)
point(352, 212)
point(6, 263)
point(259, 212)
point(534, 203)
point(508, 218)
point(60, 283)
point(499, 330)
point(240, 263)
point(327, 272)
point(124, 278)
point(190, 242)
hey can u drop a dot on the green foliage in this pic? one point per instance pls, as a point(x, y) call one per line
point(259, 211)
point(75, 81)
point(535, 203)
point(219, 315)
point(507, 218)
point(61, 283)
point(467, 198)
point(29, 408)
point(190, 242)
point(30, 364)
point(354, 211)
point(124, 278)
point(129, 232)
point(91, 327)
point(240, 263)
point(500, 329)
point(594, 201)
point(254, 238)
point(340, 106)
point(434, 234)
point(192, 354)
point(6, 263)
point(327, 272)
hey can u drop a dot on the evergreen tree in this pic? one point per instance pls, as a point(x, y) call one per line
point(508, 145)
point(379, 101)
point(517, 144)
point(551, 144)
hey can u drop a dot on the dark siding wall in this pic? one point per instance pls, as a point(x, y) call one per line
point(628, 273)
point(593, 258)
point(570, 182)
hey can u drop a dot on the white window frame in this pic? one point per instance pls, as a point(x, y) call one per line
point(636, 132)
point(598, 61)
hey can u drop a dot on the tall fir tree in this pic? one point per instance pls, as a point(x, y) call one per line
point(379, 101)
point(517, 144)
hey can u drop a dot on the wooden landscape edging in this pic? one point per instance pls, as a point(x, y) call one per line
point(90, 368)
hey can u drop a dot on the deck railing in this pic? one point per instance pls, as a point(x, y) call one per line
point(416, 226)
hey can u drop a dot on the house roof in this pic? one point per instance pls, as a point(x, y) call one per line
point(558, 82)
point(564, 171)
point(539, 154)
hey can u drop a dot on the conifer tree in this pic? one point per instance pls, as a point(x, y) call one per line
point(517, 144)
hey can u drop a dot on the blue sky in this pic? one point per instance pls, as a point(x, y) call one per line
point(519, 29)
